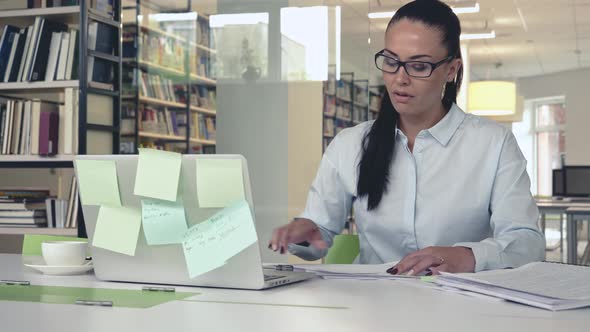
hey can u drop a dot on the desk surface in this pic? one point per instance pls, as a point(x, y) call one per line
point(371, 306)
point(561, 203)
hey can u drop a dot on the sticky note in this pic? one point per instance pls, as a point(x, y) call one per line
point(98, 182)
point(158, 173)
point(163, 222)
point(220, 182)
point(209, 244)
point(117, 229)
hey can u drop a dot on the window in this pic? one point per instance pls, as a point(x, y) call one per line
point(541, 136)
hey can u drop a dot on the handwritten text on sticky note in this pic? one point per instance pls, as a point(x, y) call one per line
point(211, 243)
point(163, 222)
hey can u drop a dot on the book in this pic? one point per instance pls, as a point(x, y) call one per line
point(39, 57)
point(23, 220)
point(72, 62)
point(60, 73)
point(21, 214)
point(48, 131)
point(35, 225)
point(11, 58)
point(17, 61)
point(6, 41)
point(24, 204)
point(7, 193)
point(54, 56)
point(31, 49)
point(551, 286)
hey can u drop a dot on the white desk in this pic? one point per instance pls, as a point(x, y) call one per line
point(372, 306)
point(561, 207)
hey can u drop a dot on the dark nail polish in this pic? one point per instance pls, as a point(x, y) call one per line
point(269, 246)
point(282, 251)
point(393, 270)
point(429, 273)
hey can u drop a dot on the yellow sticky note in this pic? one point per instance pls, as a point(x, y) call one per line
point(209, 244)
point(163, 222)
point(117, 229)
point(158, 173)
point(220, 182)
point(98, 182)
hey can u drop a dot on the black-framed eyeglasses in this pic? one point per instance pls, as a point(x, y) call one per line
point(419, 69)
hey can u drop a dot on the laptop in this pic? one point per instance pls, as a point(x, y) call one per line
point(165, 264)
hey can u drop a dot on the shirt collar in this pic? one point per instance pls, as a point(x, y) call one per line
point(448, 125)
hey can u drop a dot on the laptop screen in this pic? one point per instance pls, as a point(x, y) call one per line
point(557, 188)
point(577, 181)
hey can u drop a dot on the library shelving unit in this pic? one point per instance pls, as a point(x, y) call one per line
point(170, 90)
point(360, 101)
point(374, 101)
point(346, 104)
point(338, 106)
point(94, 106)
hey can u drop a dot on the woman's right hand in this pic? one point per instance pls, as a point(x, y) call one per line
point(297, 231)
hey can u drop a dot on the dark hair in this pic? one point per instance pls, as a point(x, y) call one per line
point(378, 143)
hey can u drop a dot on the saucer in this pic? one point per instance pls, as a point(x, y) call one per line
point(54, 270)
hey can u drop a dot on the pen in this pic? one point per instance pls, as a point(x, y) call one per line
point(158, 289)
point(15, 282)
point(98, 303)
point(281, 267)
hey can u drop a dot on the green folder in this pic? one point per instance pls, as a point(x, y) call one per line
point(127, 298)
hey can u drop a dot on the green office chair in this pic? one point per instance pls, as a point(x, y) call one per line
point(344, 250)
point(32, 243)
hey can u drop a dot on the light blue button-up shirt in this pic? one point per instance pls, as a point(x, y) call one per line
point(464, 184)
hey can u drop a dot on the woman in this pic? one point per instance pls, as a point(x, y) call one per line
point(431, 186)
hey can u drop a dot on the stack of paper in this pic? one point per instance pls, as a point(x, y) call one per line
point(349, 271)
point(550, 286)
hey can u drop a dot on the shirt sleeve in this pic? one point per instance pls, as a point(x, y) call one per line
point(328, 204)
point(516, 239)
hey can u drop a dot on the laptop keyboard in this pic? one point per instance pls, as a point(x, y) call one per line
point(268, 277)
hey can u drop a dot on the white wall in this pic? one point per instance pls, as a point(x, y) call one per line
point(575, 86)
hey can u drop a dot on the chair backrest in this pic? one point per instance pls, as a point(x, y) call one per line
point(32, 242)
point(344, 250)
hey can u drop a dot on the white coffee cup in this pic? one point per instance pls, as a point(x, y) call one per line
point(64, 253)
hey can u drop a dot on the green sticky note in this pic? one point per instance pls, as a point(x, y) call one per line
point(163, 222)
point(220, 182)
point(117, 229)
point(209, 244)
point(98, 182)
point(158, 173)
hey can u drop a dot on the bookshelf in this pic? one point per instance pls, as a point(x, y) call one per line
point(170, 87)
point(374, 101)
point(62, 79)
point(347, 102)
point(338, 106)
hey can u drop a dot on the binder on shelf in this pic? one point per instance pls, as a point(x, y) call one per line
point(6, 42)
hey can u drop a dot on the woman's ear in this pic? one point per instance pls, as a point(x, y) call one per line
point(455, 64)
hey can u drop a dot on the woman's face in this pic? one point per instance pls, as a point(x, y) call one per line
point(407, 40)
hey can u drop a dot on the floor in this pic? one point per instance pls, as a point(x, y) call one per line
point(554, 252)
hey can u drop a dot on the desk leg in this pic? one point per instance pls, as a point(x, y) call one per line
point(543, 222)
point(572, 240)
point(561, 234)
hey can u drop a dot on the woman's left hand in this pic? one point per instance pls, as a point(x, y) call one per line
point(436, 259)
